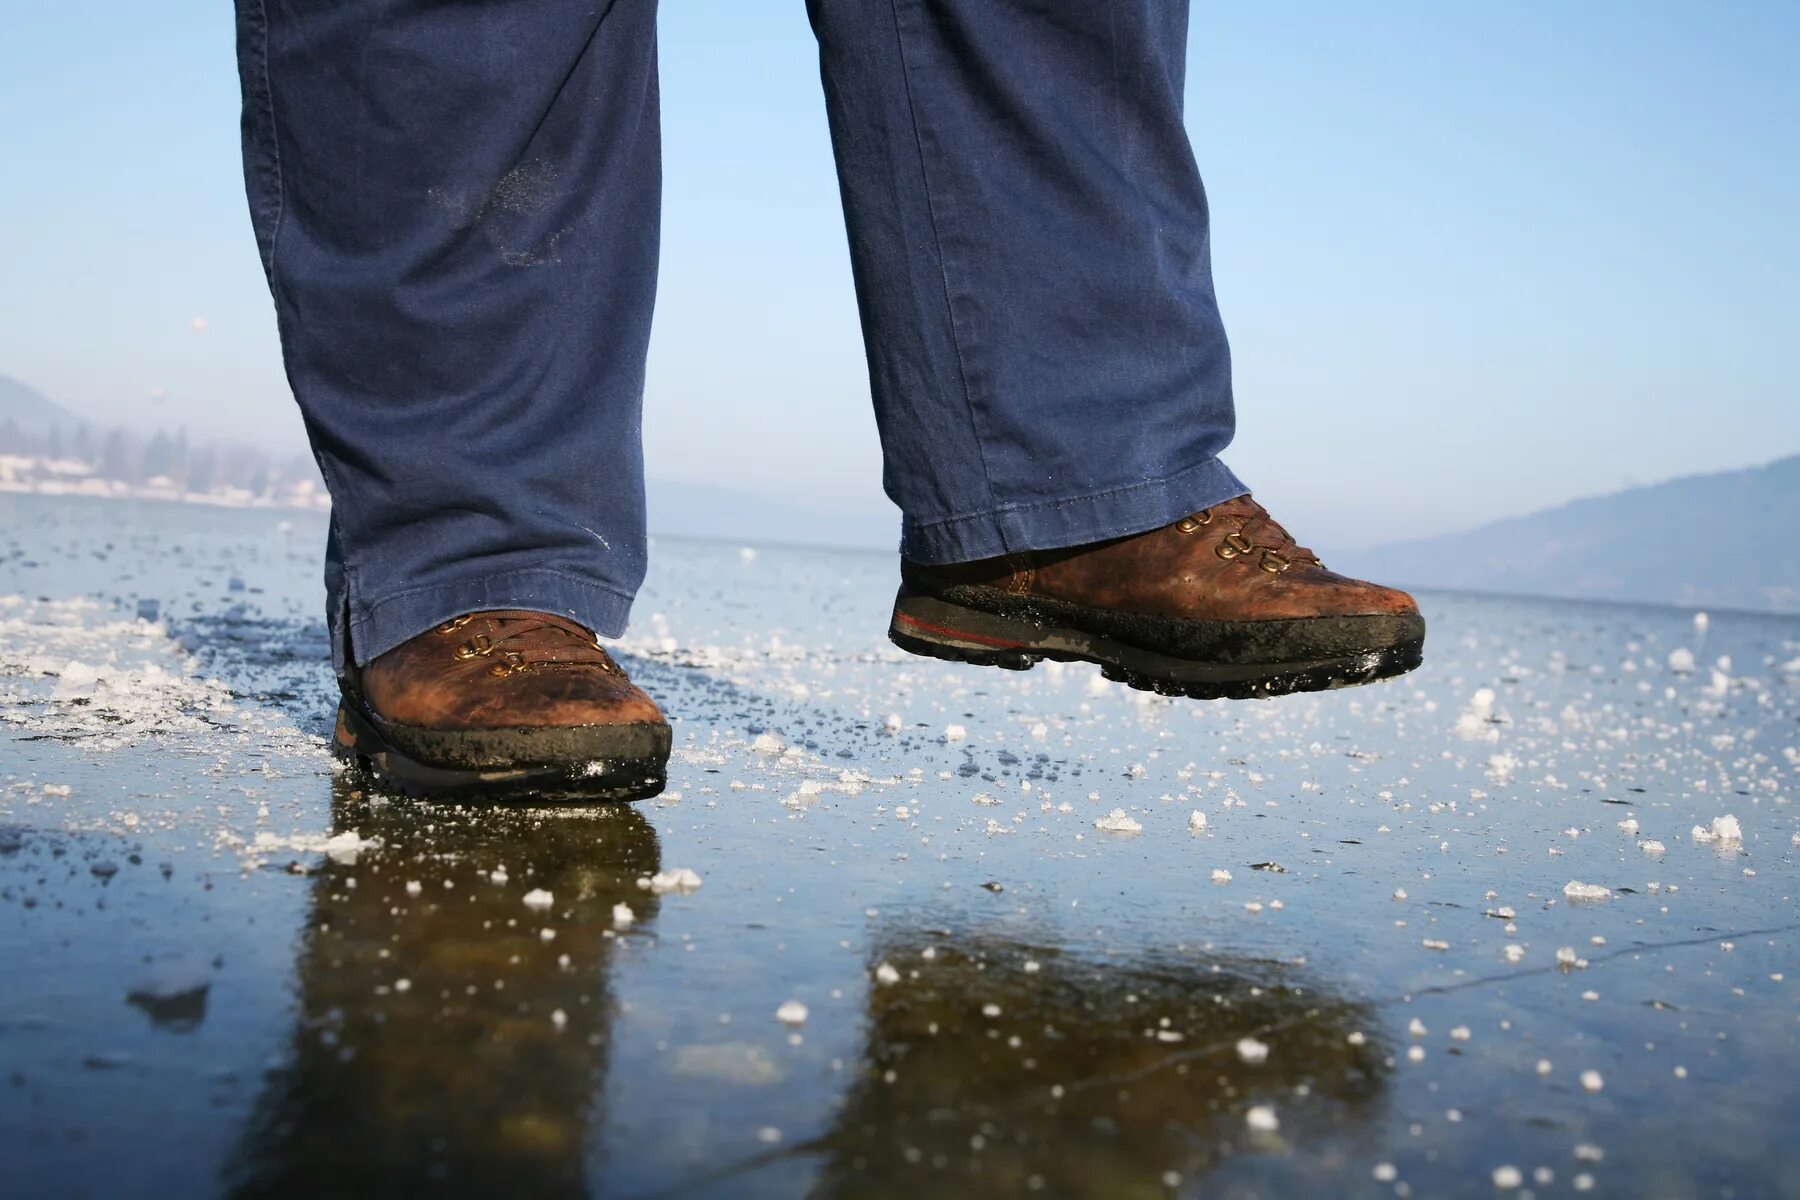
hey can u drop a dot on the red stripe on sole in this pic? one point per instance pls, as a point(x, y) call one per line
point(964, 635)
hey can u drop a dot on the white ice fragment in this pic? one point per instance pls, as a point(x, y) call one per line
point(984, 799)
point(1221, 875)
point(344, 847)
point(1262, 1119)
point(766, 743)
point(955, 733)
point(1253, 1051)
point(1196, 821)
point(1399, 893)
point(1514, 952)
point(1416, 1027)
point(560, 1019)
point(791, 1012)
point(1118, 821)
point(1681, 661)
point(893, 724)
point(1483, 700)
point(1577, 890)
point(539, 899)
point(414, 887)
point(622, 916)
point(1701, 621)
point(1629, 825)
point(1591, 1080)
point(886, 975)
point(1652, 846)
point(679, 879)
point(1508, 1178)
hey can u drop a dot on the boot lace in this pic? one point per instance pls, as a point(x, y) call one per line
point(1250, 533)
point(520, 643)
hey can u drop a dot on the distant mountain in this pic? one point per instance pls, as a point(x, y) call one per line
point(1729, 540)
point(32, 411)
point(701, 510)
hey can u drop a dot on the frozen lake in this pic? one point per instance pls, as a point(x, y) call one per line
point(955, 931)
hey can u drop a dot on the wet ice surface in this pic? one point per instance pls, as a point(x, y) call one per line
point(898, 927)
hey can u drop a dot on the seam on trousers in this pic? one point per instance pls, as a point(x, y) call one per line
point(937, 242)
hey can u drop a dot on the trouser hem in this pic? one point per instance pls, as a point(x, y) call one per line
point(376, 625)
point(1054, 524)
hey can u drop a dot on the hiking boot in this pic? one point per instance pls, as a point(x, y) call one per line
point(1222, 603)
point(509, 703)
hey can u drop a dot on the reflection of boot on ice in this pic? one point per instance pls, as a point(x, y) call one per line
point(991, 1062)
point(453, 1023)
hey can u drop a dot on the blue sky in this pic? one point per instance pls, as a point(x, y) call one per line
point(1474, 259)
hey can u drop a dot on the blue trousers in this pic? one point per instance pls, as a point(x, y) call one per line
point(457, 208)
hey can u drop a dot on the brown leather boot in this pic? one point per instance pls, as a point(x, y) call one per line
point(507, 703)
point(1219, 604)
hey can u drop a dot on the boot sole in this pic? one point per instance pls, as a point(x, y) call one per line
point(1314, 655)
point(613, 763)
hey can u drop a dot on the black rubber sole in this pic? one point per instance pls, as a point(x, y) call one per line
point(1322, 653)
point(590, 763)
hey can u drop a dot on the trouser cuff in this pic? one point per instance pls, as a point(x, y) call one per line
point(378, 624)
point(1053, 524)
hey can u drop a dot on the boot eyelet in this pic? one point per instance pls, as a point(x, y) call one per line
point(1274, 563)
point(1234, 545)
point(475, 647)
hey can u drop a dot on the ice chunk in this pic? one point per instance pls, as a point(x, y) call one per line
point(1118, 821)
point(1577, 890)
point(886, 975)
point(1221, 875)
point(1253, 1051)
point(1591, 1080)
point(1196, 821)
point(1508, 1178)
point(791, 1012)
point(677, 879)
point(1262, 1119)
point(1681, 661)
point(622, 916)
point(766, 743)
point(1725, 831)
point(955, 733)
point(539, 899)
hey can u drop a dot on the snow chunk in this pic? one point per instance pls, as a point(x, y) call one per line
point(1262, 1119)
point(1196, 821)
point(791, 1012)
point(955, 733)
point(1118, 821)
point(1253, 1051)
point(1577, 890)
point(1725, 831)
point(1681, 661)
point(538, 899)
point(886, 975)
point(622, 916)
point(677, 879)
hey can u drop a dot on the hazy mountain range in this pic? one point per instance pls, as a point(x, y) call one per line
point(1725, 540)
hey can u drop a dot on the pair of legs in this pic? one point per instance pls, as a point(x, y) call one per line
point(457, 207)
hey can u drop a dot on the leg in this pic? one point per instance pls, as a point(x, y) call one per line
point(457, 208)
point(1029, 236)
point(1050, 375)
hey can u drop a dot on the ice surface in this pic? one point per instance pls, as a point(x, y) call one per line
point(990, 981)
